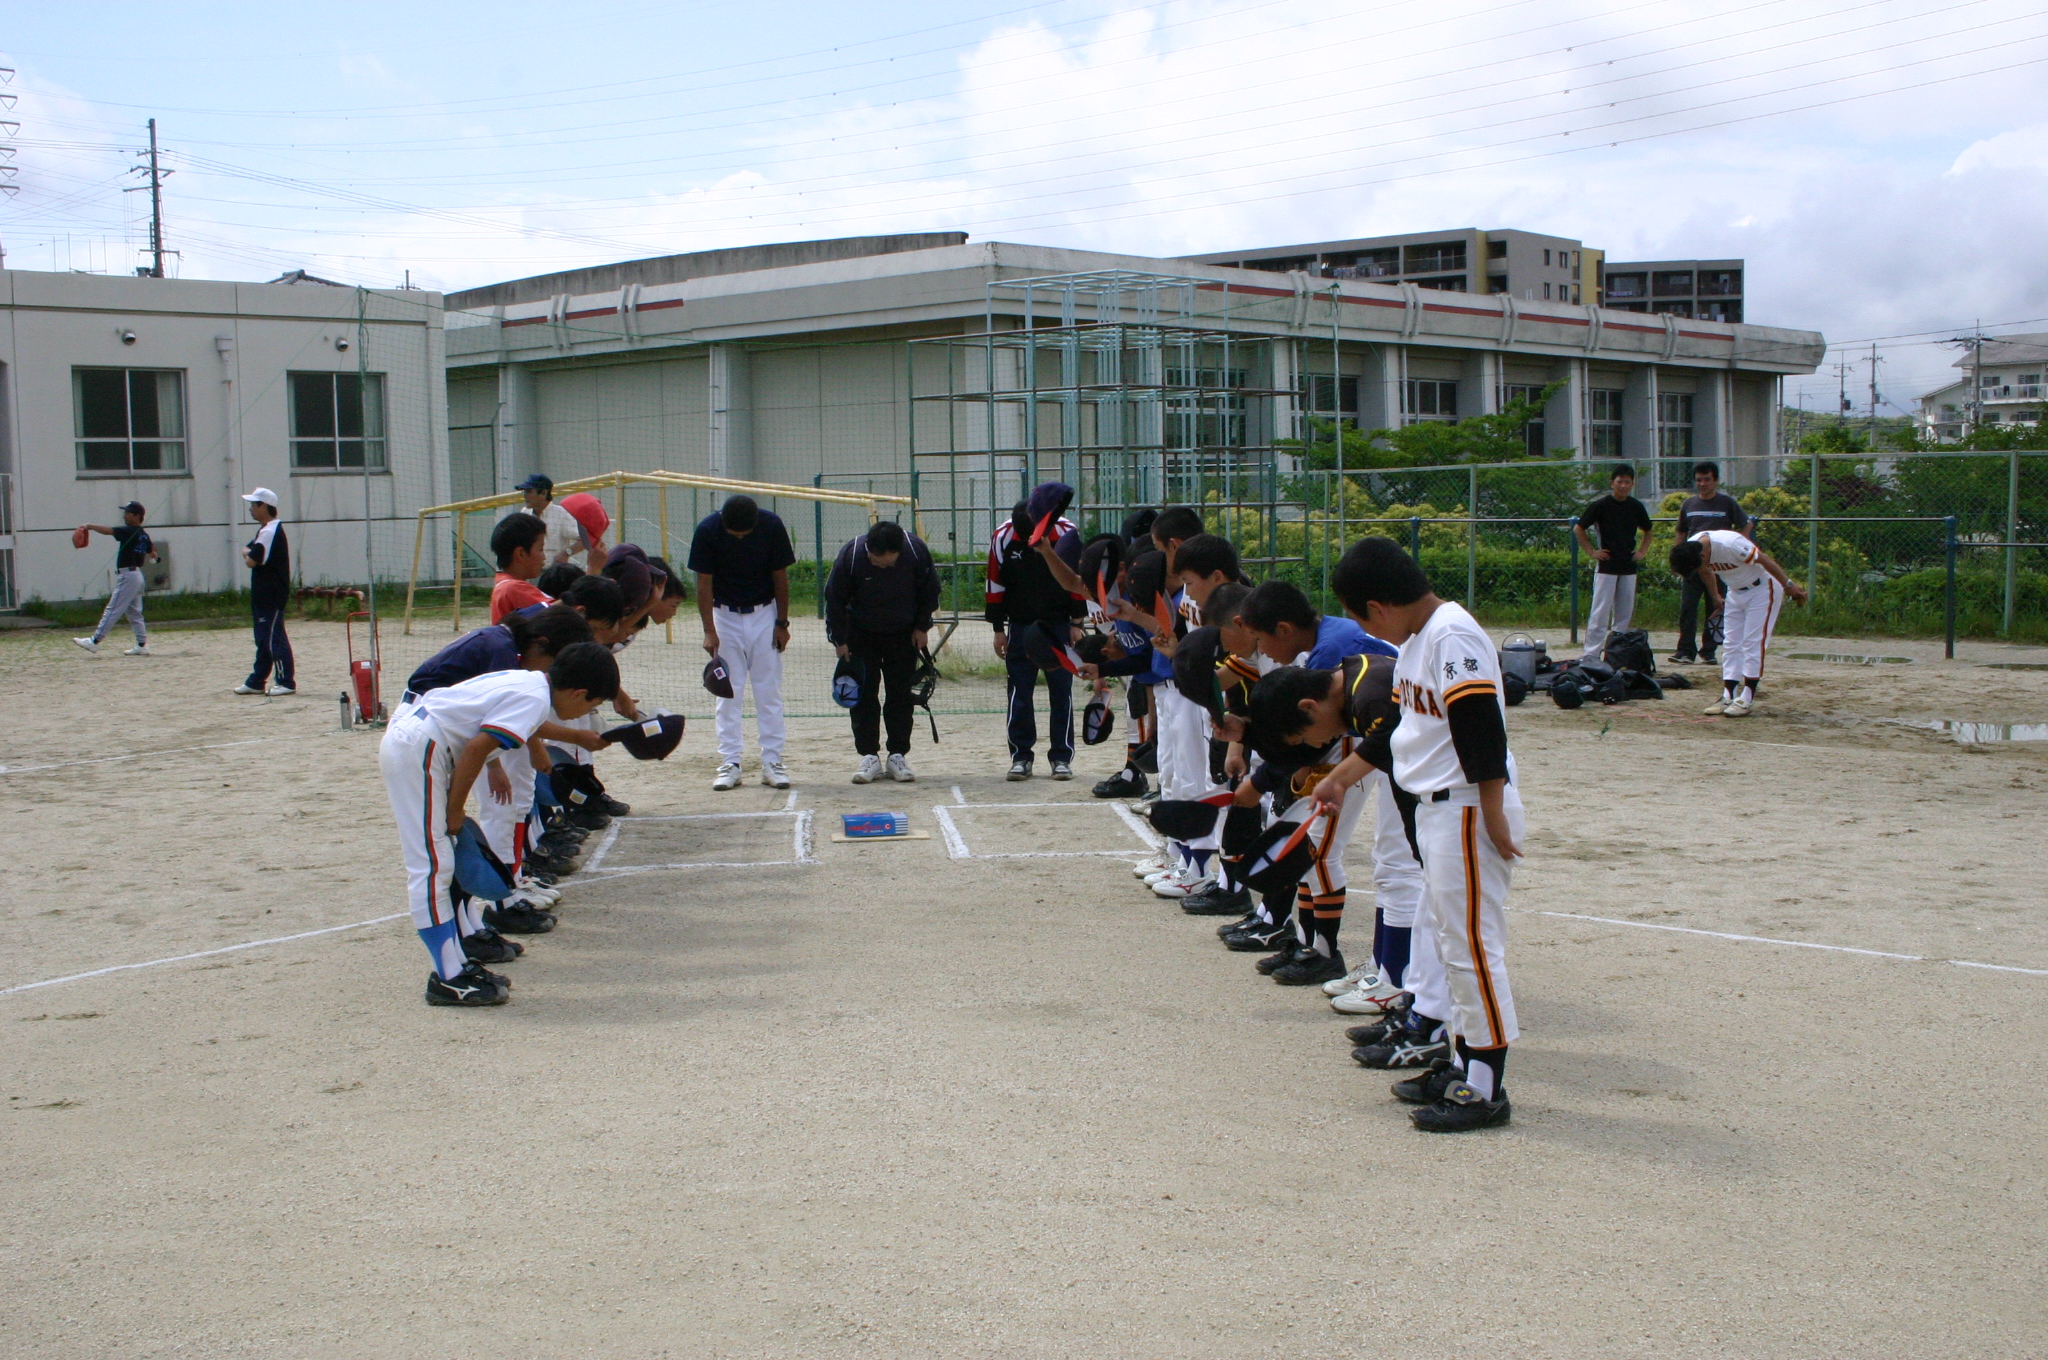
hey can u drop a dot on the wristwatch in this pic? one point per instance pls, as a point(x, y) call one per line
point(782, 623)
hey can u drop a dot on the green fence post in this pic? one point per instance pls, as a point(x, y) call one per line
point(1949, 592)
point(1573, 572)
point(1813, 526)
point(818, 545)
point(1472, 539)
point(1415, 537)
point(2012, 535)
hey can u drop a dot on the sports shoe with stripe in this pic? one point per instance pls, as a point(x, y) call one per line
point(1185, 883)
point(774, 775)
point(870, 770)
point(1155, 863)
point(1370, 997)
point(470, 987)
point(488, 946)
point(1429, 1087)
point(1310, 969)
point(1260, 935)
point(728, 777)
point(1409, 1048)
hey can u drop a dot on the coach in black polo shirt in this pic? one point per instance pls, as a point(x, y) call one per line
point(1711, 508)
point(741, 556)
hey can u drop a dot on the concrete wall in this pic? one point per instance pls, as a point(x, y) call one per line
point(234, 343)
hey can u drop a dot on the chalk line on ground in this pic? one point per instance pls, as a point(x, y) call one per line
point(1788, 944)
point(202, 954)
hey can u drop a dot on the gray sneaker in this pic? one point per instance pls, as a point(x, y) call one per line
point(1019, 769)
point(773, 775)
point(900, 771)
point(1062, 770)
point(870, 770)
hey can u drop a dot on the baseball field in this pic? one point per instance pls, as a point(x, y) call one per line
point(1783, 982)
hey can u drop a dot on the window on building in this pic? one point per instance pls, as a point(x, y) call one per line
point(129, 419)
point(1497, 283)
point(1720, 282)
point(1575, 292)
point(1532, 432)
point(1671, 283)
point(1674, 425)
point(1575, 259)
point(1546, 257)
point(1950, 413)
point(1628, 285)
point(1437, 257)
point(1720, 311)
point(1455, 283)
point(1323, 397)
point(337, 420)
point(1672, 308)
point(1603, 423)
point(1429, 399)
point(2031, 417)
point(1496, 250)
point(1546, 292)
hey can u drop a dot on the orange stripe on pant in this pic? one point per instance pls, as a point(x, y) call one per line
point(1475, 939)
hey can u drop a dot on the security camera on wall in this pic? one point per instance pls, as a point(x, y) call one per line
point(127, 337)
point(341, 342)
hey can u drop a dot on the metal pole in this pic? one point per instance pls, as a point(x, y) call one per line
point(1813, 523)
point(419, 538)
point(369, 535)
point(668, 628)
point(458, 517)
point(2012, 535)
point(1949, 591)
point(1573, 540)
point(1415, 537)
point(156, 228)
point(818, 546)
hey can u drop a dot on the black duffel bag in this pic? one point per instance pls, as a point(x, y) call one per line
point(1629, 650)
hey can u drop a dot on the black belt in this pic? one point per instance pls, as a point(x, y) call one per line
point(1440, 796)
point(740, 608)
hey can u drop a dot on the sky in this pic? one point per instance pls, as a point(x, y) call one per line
point(1882, 165)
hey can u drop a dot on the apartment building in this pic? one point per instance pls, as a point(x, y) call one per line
point(1527, 265)
point(1709, 290)
point(2007, 389)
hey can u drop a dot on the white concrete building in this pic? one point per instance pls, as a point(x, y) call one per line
point(183, 394)
point(2007, 383)
point(787, 362)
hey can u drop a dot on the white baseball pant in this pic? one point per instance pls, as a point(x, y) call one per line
point(502, 823)
point(1397, 884)
point(1614, 608)
point(1331, 836)
point(417, 766)
point(125, 602)
point(1467, 885)
point(747, 642)
point(1748, 618)
point(1182, 728)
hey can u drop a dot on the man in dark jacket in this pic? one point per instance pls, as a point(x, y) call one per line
point(879, 600)
point(269, 558)
point(1036, 586)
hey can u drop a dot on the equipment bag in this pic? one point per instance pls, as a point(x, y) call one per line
point(1629, 650)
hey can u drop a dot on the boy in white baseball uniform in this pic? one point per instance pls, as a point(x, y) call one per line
point(431, 756)
point(1450, 750)
point(1747, 588)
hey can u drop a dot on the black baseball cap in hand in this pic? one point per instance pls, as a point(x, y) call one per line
point(651, 738)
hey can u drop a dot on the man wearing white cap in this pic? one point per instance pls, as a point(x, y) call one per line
point(270, 587)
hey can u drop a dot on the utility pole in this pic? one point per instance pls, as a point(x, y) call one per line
point(156, 173)
point(1842, 402)
point(1873, 395)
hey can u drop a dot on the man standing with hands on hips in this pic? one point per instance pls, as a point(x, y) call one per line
point(1624, 527)
point(269, 559)
point(741, 555)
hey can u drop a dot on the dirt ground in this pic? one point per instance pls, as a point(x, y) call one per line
point(882, 1100)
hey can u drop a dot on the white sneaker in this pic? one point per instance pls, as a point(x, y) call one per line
point(1740, 708)
point(870, 770)
point(1719, 705)
point(538, 892)
point(1364, 975)
point(1184, 884)
point(900, 771)
point(245, 689)
point(728, 778)
point(88, 644)
point(1370, 997)
point(773, 775)
point(1171, 869)
point(1150, 865)
point(139, 649)
point(276, 690)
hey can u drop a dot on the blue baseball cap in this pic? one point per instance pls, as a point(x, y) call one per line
point(537, 482)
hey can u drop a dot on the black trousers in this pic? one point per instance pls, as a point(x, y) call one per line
point(1691, 596)
point(888, 661)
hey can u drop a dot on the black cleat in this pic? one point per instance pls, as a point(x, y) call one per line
point(613, 807)
point(1125, 783)
point(1314, 968)
point(1229, 928)
point(587, 819)
point(1257, 936)
point(1217, 900)
point(488, 946)
point(1378, 1032)
point(470, 987)
point(1461, 1108)
point(1288, 954)
point(519, 919)
point(1428, 1088)
point(1406, 1049)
